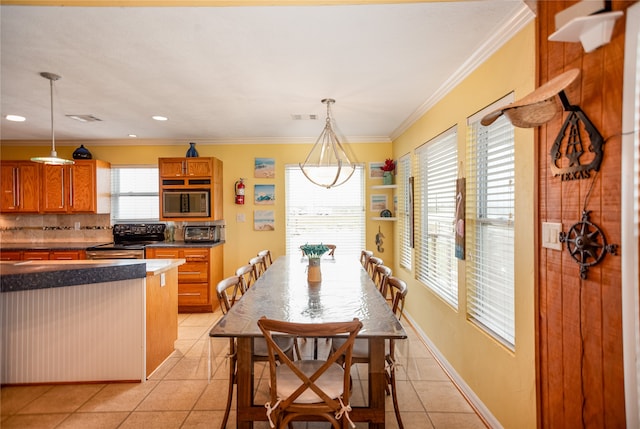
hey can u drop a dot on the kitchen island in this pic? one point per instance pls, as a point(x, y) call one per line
point(86, 321)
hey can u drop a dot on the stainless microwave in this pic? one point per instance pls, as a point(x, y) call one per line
point(185, 204)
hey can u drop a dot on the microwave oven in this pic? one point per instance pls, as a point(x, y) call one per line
point(185, 204)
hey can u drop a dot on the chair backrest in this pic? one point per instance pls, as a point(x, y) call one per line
point(399, 290)
point(247, 276)
point(364, 257)
point(380, 275)
point(303, 395)
point(259, 266)
point(266, 254)
point(372, 262)
point(330, 252)
point(226, 299)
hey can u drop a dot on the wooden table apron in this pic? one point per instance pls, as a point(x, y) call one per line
point(283, 293)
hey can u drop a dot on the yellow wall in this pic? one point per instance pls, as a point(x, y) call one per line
point(503, 380)
point(238, 160)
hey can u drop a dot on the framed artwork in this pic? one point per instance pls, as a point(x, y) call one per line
point(264, 194)
point(374, 170)
point(460, 213)
point(264, 168)
point(411, 215)
point(378, 202)
point(263, 220)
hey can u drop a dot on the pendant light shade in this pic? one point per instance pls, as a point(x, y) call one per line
point(328, 164)
point(53, 158)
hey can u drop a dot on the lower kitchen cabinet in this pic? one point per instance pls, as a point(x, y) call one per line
point(197, 277)
point(41, 255)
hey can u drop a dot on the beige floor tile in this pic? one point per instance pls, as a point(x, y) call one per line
point(188, 369)
point(62, 399)
point(214, 397)
point(119, 397)
point(15, 398)
point(441, 396)
point(456, 421)
point(162, 371)
point(410, 420)
point(192, 332)
point(33, 421)
point(155, 420)
point(93, 420)
point(173, 395)
point(204, 420)
point(424, 369)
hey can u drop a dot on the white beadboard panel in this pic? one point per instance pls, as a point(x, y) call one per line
point(92, 332)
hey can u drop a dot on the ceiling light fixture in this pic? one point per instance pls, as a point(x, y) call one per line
point(53, 159)
point(159, 118)
point(15, 118)
point(328, 164)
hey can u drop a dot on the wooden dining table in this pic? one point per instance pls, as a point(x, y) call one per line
point(283, 293)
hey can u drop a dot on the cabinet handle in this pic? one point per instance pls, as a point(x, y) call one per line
point(16, 189)
point(70, 188)
point(190, 272)
point(167, 256)
point(189, 294)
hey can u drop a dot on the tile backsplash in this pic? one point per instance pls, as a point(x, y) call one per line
point(22, 228)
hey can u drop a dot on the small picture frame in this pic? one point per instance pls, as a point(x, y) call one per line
point(264, 168)
point(263, 220)
point(378, 203)
point(264, 194)
point(375, 170)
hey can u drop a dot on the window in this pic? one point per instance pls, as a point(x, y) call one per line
point(318, 215)
point(436, 265)
point(134, 194)
point(489, 227)
point(405, 223)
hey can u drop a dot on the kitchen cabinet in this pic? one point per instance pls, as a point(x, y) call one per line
point(67, 255)
point(84, 187)
point(11, 255)
point(196, 174)
point(41, 255)
point(197, 277)
point(20, 183)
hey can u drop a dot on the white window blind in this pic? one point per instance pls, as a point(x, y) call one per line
point(404, 211)
point(489, 228)
point(134, 194)
point(436, 265)
point(319, 215)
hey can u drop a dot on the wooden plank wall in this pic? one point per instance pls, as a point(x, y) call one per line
point(580, 361)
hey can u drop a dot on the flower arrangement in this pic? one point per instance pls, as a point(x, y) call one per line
point(314, 250)
point(389, 165)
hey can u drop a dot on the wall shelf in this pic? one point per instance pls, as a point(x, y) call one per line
point(384, 218)
point(384, 187)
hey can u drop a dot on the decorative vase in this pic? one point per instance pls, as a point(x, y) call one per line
point(313, 272)
point(192, 152)
point(387, 178)
point(81, 153)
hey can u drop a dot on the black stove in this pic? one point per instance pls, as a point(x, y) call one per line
point(129, 241)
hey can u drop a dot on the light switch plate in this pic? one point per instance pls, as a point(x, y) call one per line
point(551, 235)
point(240, 217)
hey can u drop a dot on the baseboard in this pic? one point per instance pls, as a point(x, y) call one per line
point(466, 391)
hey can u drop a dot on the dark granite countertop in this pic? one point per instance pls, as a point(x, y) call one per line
point(28, 275)
point(51, 245)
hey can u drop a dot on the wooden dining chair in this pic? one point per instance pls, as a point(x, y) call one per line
point(309, 387)
point(266, 254)
point(259, 266)
point(364, 257)
point(371, 265)
point(260, 349)
point(380, 274)
point(247, 276)
point(398, 290)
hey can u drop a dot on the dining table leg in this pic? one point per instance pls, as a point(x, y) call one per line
point(377, 383)
point(244, 390)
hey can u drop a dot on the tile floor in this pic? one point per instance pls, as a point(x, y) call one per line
point(178, 394)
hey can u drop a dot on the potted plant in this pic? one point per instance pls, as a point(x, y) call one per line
point(388, 167)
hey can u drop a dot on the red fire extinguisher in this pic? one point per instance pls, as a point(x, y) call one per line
point(240, 191)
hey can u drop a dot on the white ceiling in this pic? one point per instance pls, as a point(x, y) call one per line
point(240, 73)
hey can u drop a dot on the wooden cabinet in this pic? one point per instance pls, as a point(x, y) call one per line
point(197, 277)
point(35, 255)
point(197, 174)
point(41, 255)
point(10, 255)
point(84, 187)
point(67, 255)
point(20, 184)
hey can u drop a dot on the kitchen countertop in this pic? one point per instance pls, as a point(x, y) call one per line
point(29, 275)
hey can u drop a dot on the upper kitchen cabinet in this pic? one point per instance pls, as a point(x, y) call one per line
point(190, 189)
point(84, 187)
point(20, 183)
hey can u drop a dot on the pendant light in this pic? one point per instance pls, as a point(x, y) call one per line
point(328, 164)
point(53, 158)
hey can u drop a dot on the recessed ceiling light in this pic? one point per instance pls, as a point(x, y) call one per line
point(84, 118)
point(160, 118)
point(133, 135)
point(15, 118)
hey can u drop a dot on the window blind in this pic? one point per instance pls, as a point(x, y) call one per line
point(489, 228)
point(319, 215)
point(404, 211)
point(134, 194)
point(437, 171)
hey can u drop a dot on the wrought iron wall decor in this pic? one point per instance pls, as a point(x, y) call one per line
point(569, 144)
point(586, 243)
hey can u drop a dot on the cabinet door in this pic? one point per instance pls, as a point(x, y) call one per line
point(199, 167)
point(9, 200)
point(171, 167)
point(65, 255)
point(20, 187)
point(82, 183)
point(35, 255)
point(54, 188)
point(11, 255)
